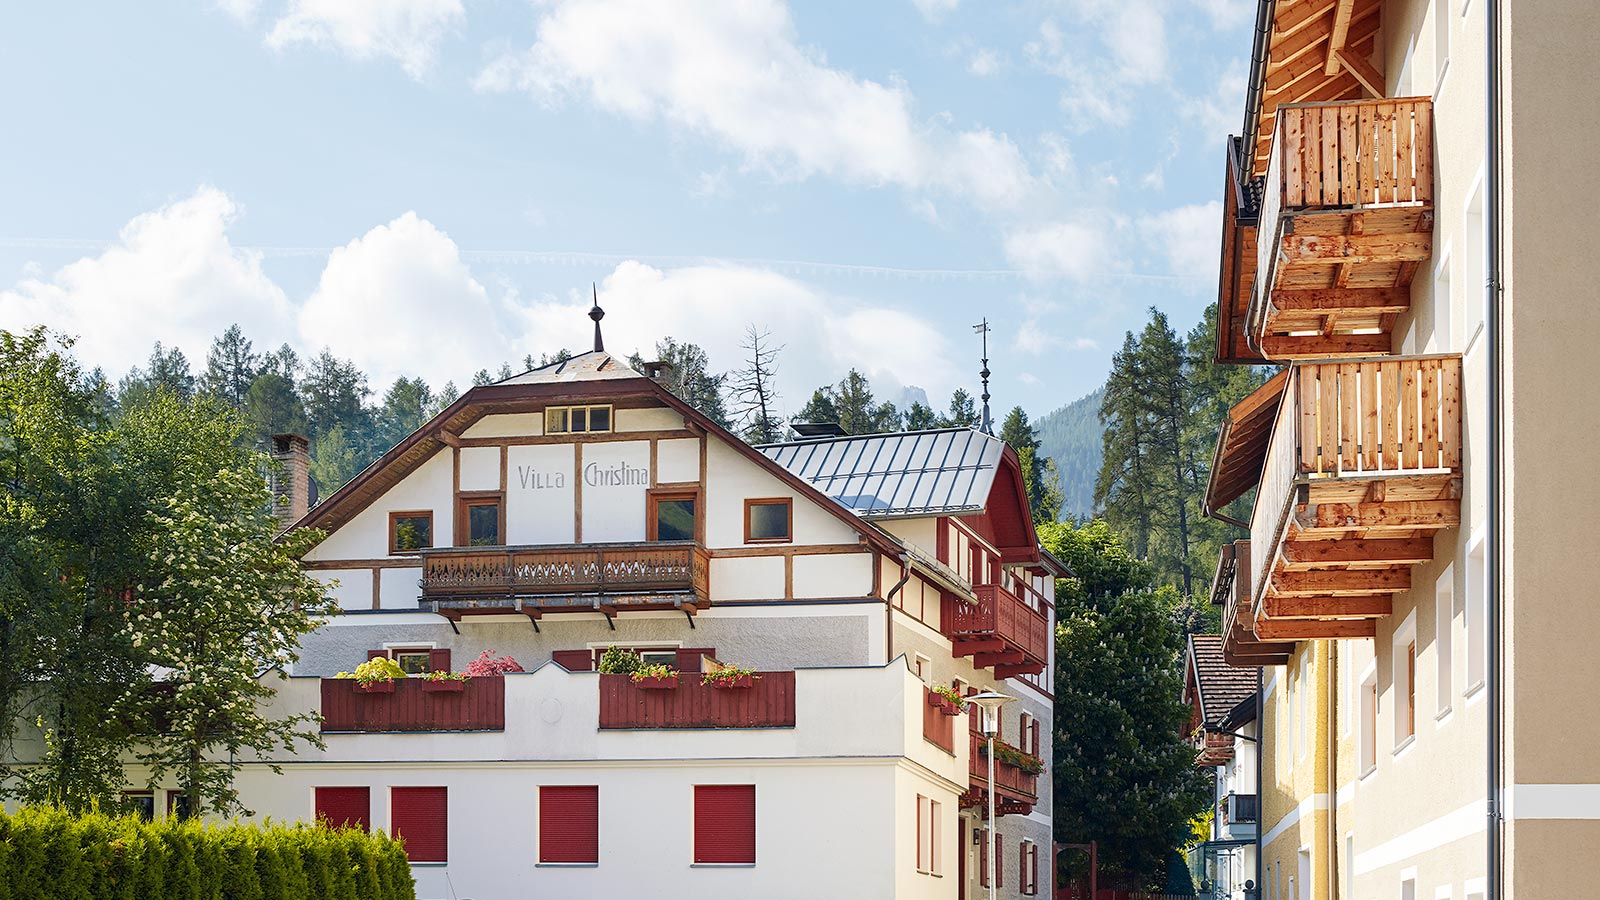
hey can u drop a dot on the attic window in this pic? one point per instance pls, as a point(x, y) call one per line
point(577, 419)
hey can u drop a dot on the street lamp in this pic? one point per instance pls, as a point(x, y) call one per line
point(990, 702)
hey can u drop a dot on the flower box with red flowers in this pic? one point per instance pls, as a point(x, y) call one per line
point(656, 678)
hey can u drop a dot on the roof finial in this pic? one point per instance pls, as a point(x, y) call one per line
point(597, 314)
point(986, 424)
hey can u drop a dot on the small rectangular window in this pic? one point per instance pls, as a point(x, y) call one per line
point(420, 815)
point(343, 807)
point(177, 805)
point(569, 824)
point(410, 531)
point(577, 419)
point(673, 515)
point(768, 520)
point(478, 519)
point(140, 803)
point(725, 824)
point(413, 661)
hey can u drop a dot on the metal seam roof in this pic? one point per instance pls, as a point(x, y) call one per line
point(898, 473)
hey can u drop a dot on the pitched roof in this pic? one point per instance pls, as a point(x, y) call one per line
point(938, 472)
point(1221, 687)
point(596, 365)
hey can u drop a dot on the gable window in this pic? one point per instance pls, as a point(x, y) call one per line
point(725, 824)
point(768, 520)
point(480, 519)
point(569, 825)
point(410, 531)
point(577, 419)
point(673, 515)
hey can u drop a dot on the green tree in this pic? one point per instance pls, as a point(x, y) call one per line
point(271, 406)
point(1125, 488)
point(168, 371)
point(963, 413)
point(920, 417)
point(1175, 474)
point(405, 408)
point(1039, 478)
point(335, 459)
point(853, 398)
point(1124, 776)
point(334, 391)
point(231, 367)
point(820, 408)
point(689, 376)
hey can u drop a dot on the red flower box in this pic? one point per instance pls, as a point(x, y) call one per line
point(376, 687)
point(738, 681)
point(950, 707)
point(446, 685)
point(658, 682)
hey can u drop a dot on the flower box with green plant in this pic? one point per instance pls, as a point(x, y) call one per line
point(619, 661)
point(729, 677)
point(1011, 756)
point(376, 676)
point(439, 681)
point(947, 700)
point(656, 677)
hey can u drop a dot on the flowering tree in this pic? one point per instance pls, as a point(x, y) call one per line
point(488, 664)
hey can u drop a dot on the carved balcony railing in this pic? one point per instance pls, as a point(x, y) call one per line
point(1000, 630)
point(477, 578)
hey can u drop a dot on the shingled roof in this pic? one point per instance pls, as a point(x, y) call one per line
point(1220, 687)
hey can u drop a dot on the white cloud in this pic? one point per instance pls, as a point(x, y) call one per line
point(407, 31)
point(1189, 237)
point(1228, 14)
point(735, 73)
point(934, 10)
point(1114, 48)
point(171, 276)
point(399, 301)
point(1075, 248)
point(984, 62)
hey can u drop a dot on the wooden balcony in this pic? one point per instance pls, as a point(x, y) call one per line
point(767, 703)
point(458, 581)
point(1362, 469)
point(1016, 789)
point(479, 705)
point(1000, 630)
point(1346, 218)
point(1230, 589)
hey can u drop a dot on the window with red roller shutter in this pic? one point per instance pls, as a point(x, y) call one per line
point(420, 815)
point(725, 824)
point(569, 823)
point(339, 807)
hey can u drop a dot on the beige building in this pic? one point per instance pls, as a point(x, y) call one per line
point(1408, 583)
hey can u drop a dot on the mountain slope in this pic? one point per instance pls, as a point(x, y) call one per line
point(1072, 437)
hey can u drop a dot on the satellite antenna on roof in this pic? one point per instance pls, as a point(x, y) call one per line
point(986, 424)
point(597, 314)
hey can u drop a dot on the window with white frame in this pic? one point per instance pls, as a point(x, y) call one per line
point(1477, 612)
point(1369, 722)
point(1444, 641)
point(921, 666)
point(929, 851)
point(1404, 679)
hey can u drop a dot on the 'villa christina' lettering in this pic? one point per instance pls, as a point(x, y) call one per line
point(534, 479)
point(620, 474)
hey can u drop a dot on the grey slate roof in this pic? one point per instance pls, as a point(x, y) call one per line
point(942, 471)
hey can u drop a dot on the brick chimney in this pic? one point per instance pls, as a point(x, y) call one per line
point(291, 487)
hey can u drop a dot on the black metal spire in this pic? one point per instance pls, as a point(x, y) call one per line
point(986, 424)
point(597, 314)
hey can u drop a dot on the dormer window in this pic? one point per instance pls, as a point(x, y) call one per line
point(577, 419)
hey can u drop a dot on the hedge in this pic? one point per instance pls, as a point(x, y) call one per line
point(51, 854)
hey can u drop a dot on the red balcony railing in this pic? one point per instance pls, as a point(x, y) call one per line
point(768, 703)
point(936, 726)
point(1009, 779)
point(1000, 615)
point(480, 705)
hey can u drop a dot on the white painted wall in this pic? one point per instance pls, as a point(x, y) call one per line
point(678, 460)
point(615, 511)
point(507, 425)
point(833, 575)
point(480, 470)
point(366, 536)
point(351, 587)
point(540, 497)
point(747, 578)
point(658, 419)
point(733, 478)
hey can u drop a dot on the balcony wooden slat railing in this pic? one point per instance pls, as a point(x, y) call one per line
point(480, 705)
point(1000, 614)
point(936, 726)
point(768, 703)
point(578, 569)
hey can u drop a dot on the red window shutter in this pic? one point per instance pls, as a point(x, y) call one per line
point(569, 823)
point(983, 858)
point(1034, 739)
point(1033, 868)
point(725, 823)
point(420, 815)
point(693, 660)
point(999, 861)
point(439, 660)
point(374, 654)
point(574, 660)
point(340, 807)
point(1022, 867)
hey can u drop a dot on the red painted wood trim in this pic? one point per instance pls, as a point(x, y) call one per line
point(479, 706)
point(769, 703)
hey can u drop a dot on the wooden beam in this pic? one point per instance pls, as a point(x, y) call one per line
point(1303, 630)
point(1399, 551)
point(1292, 346)
point(1328, 607)
point(1396, 514)
point(985, 660)
point(1364, 72)
point(972, 648)
point(1336, 582)
point(1341, 30)
point(1013, 670)
point(1369, 300)
point(1239, 661)
point(1357, 248)
point(450, 439)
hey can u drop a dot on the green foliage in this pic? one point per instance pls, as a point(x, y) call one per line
point(52, 854)
point(1070, 438)
point(1123, 774)
point(1039, 479)
point(689, 376)
point(375, 670)
point(654, 670)
point(619, 661)
point(727, 675)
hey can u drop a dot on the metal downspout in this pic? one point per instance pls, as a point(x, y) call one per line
point(888, 607)
point(1492, 625)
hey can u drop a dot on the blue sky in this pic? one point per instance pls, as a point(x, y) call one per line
point(431, 186)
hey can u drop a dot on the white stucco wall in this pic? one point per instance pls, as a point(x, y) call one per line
point(366, 536)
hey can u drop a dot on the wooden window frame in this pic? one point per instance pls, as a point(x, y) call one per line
point(411, 514)
point(611, 418)
point(467, 499)
point(654, 496)
point(788, 528)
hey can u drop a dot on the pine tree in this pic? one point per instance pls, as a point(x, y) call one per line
point(1038, 476)
point(853, 399)
point(821, 408)
point(404, 410)
point(169, 372)
point(754, 389)
point(271, 407)
point(1124, 488)
point(282, 361)
point(334, 391)
point(963, 413)
point(230, 368)
point(1176, 477)
point(920, 417)
point(689, 376)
